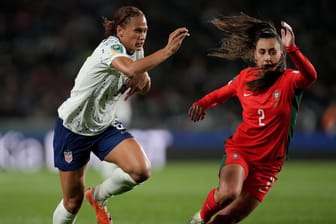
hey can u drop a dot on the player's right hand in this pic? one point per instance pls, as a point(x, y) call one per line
point(196, 113)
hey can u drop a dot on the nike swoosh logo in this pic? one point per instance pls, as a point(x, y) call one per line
point(247, 94)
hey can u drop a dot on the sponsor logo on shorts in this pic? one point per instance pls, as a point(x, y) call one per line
point(118, 125)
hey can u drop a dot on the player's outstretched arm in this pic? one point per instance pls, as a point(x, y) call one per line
point(174, 43)
point(135, 70)
point(131, 68)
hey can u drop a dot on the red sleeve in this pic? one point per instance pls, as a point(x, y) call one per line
point(219, 95)
point(307, 70)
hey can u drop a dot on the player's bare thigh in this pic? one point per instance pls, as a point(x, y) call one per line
point(130, 157)
point(230, 183)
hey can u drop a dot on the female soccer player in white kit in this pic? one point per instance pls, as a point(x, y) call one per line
point(87, 121)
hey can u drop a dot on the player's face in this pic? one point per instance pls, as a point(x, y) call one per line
point(268, 52)
point(133, 35)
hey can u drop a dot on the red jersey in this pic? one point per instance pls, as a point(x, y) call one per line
point(268, 117)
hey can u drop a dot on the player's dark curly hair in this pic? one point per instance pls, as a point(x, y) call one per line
point(241, 34)
point(121, 17)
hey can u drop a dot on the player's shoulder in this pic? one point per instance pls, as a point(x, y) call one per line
point(248, 73)
point(290, 73)
point(111, 40)
point(114, 44)
point(236, 79)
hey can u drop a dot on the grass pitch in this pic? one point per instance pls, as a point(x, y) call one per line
point(304, 194)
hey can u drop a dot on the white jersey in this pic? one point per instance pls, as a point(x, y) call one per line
point(91, 107)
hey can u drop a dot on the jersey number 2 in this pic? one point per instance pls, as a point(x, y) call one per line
point(261, 117)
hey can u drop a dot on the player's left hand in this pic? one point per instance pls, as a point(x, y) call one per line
point(287, 34)
point(138, 83)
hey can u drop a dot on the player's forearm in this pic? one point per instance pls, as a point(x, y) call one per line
point(132, 68)
point(302, 63)
point(216, 97)
point(149, 62)
point(207, 102)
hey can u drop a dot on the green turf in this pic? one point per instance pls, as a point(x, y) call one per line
point(304, 194)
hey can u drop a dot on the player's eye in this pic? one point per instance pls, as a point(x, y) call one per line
point(261, 51)
point(272, 52)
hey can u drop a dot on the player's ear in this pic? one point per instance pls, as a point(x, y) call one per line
point(120, 31)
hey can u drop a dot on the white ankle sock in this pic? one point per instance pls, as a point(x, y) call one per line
point(62, 216)
point(118, 183)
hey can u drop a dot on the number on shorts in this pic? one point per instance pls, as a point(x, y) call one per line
point(118, 125)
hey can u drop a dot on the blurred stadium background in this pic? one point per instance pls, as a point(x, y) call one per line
point(43, 43)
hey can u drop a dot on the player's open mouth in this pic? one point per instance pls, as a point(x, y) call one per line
point(268, 66)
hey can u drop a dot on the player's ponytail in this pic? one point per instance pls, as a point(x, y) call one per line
point(109, 26)
point(240, 34)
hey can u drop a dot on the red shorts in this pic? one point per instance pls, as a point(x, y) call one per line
point(258, 179)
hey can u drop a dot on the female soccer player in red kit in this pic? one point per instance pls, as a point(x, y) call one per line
point(269, 94)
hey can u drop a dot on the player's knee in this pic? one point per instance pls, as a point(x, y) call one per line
point(73, 205)
point(226, 197)
point(141, 174)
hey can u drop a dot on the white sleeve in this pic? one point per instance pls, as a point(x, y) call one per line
point(112, 49)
